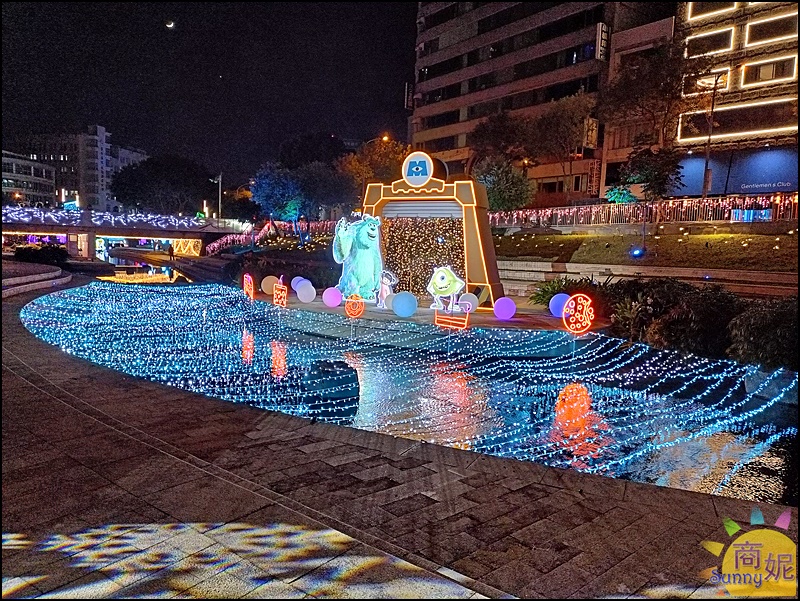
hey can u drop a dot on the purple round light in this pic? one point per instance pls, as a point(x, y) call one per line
point(504, 308)
point(557, 304)
point(332, 297)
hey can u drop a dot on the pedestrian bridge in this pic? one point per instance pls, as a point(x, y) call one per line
point(82, 227)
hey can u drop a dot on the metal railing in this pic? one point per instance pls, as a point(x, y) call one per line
point(777, 207)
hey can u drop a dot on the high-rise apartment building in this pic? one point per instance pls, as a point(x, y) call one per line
point(752, 135)
point(479, 58)
point(84, 164)
point(27, 182)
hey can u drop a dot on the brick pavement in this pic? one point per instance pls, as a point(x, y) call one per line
point(114, 486)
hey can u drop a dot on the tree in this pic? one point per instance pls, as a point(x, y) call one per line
point(323, 187)
point(167, 185)
point(502, 134)
point(650, 88)
point(558, 133)
point(238, 204)
point(657, 170)
point(277, 192)
point(376, 161)
point(507, 188)
point(310, 148)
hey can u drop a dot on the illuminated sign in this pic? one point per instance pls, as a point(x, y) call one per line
point(248, 347)
point(280, 293)
point(465, 200)
point(247, 284)
point(354, 306)
point(578, 314)
point(417, 169)
point(452, 322)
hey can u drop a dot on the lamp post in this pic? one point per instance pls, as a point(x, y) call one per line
point(707, 169)
point(218, 180)
point(383, 138)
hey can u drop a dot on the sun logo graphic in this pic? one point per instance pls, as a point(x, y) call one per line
point(761, 562)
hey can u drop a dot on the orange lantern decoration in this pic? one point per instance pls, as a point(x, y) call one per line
point(280, 294)
point(247, 284)
point(354, 306)
point(578, 314)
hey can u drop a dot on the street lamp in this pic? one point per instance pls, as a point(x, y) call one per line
point(218, 180)
point(706, 83)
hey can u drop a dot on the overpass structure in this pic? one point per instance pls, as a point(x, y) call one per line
point(80, 229)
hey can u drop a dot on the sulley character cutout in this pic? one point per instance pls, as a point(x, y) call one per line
point(357, 247)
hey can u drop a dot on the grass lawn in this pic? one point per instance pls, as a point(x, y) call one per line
point(709, 251)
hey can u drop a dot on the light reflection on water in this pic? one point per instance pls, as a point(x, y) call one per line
point(595, 405)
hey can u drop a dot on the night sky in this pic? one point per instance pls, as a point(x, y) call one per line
point(225, 86)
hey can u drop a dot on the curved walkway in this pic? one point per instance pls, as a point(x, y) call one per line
point(116, 487)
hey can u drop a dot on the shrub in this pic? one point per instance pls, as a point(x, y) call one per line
point(637, 303)
point(765, 334)
point(47, 254)
point(320, 273)
point(698, 323)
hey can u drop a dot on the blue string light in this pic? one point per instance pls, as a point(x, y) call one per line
point(490, 390)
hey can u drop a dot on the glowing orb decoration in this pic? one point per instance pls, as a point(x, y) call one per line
point(578, 314)
point(417, 169)
point(297, 281)
point(387, 302)
point(268, 283)
point(504, 308)
point(306, 292)
point(557, 304)
point(280, 294)
point(468, 302)
point(354, 306)
point(404, 304)
point(247, 284)
point(332, 297)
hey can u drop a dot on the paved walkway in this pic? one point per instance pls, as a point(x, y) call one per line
point(119, 487)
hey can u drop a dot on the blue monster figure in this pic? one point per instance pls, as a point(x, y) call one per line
point(357, 247)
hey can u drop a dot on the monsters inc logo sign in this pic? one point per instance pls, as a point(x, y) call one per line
point(417, 169)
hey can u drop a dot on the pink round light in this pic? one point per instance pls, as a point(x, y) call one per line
point(332, 297)
point(504, 308)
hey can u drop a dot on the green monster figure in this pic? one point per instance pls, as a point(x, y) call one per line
point(445, 283)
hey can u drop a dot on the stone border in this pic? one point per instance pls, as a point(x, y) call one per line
point(34, 277)
point(38, 285)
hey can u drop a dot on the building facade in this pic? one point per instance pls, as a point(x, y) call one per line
point(84, 165)
point(752, 135)
point(27, 182)
point(479, 58)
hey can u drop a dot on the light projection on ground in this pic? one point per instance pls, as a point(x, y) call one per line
point(279, 559)
point(655, 416)
point(357, 247)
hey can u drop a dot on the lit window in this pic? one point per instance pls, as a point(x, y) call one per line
point(705, 83)
point(773, 70)
point(740, 120)
point(700, 10)
point(774, 29)
point(712, 42)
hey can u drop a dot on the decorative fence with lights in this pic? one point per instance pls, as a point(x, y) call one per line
point(778, 207)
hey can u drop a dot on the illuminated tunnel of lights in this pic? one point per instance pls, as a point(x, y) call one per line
point(595, 404)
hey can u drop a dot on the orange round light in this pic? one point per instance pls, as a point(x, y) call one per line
point(354, 306)
point(578, 314)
